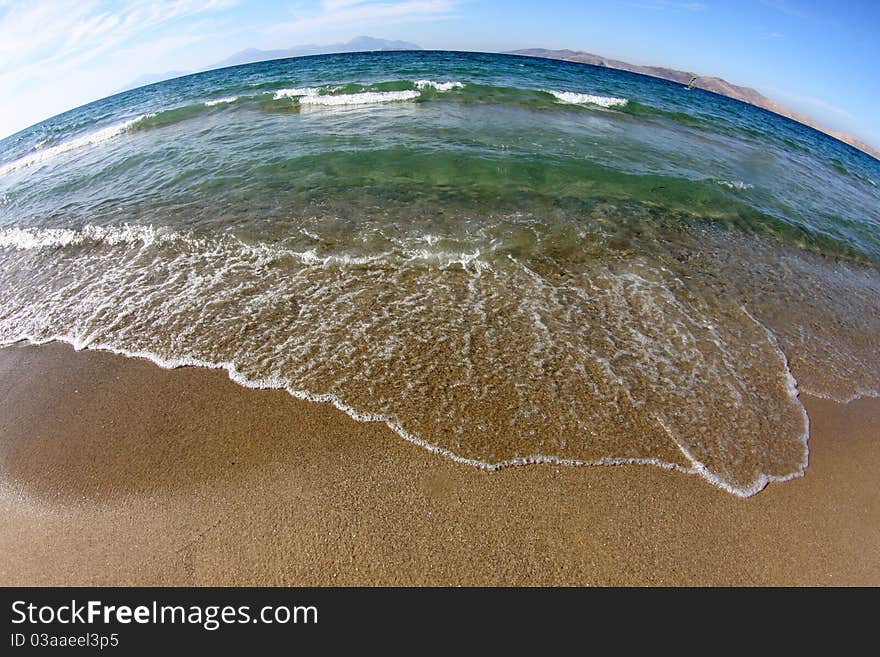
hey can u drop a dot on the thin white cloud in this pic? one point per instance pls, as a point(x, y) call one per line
point(54, 54)
point(40, 32)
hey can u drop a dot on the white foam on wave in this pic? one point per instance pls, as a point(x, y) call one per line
point(295, 92)
point(221, 101)
point(735, 184)
point(311, 257)
point(438, 86)
point(23, 239)
point(42, 154)
point(572, 98)
point(42, 238)
point(364, 98)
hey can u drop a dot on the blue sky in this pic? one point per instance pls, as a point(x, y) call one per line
point(817, 56)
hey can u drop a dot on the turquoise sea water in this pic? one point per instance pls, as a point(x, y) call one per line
point(506, 259)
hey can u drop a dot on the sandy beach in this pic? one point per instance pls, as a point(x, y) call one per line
point(114, 471)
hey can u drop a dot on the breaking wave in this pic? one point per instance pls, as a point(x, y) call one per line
point(588, 99)
point(43, 153)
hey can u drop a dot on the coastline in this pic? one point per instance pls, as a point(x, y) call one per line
point(114, 471)
point(709, 83)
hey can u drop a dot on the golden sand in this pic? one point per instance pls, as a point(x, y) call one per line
point(116, 472)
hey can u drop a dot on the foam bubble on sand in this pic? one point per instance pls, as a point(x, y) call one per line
point(42, 154)
point(572, 98)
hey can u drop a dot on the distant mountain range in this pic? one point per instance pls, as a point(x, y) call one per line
point(358, 44)
point(717, 85)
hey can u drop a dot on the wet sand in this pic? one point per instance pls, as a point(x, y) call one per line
point(116, 472)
